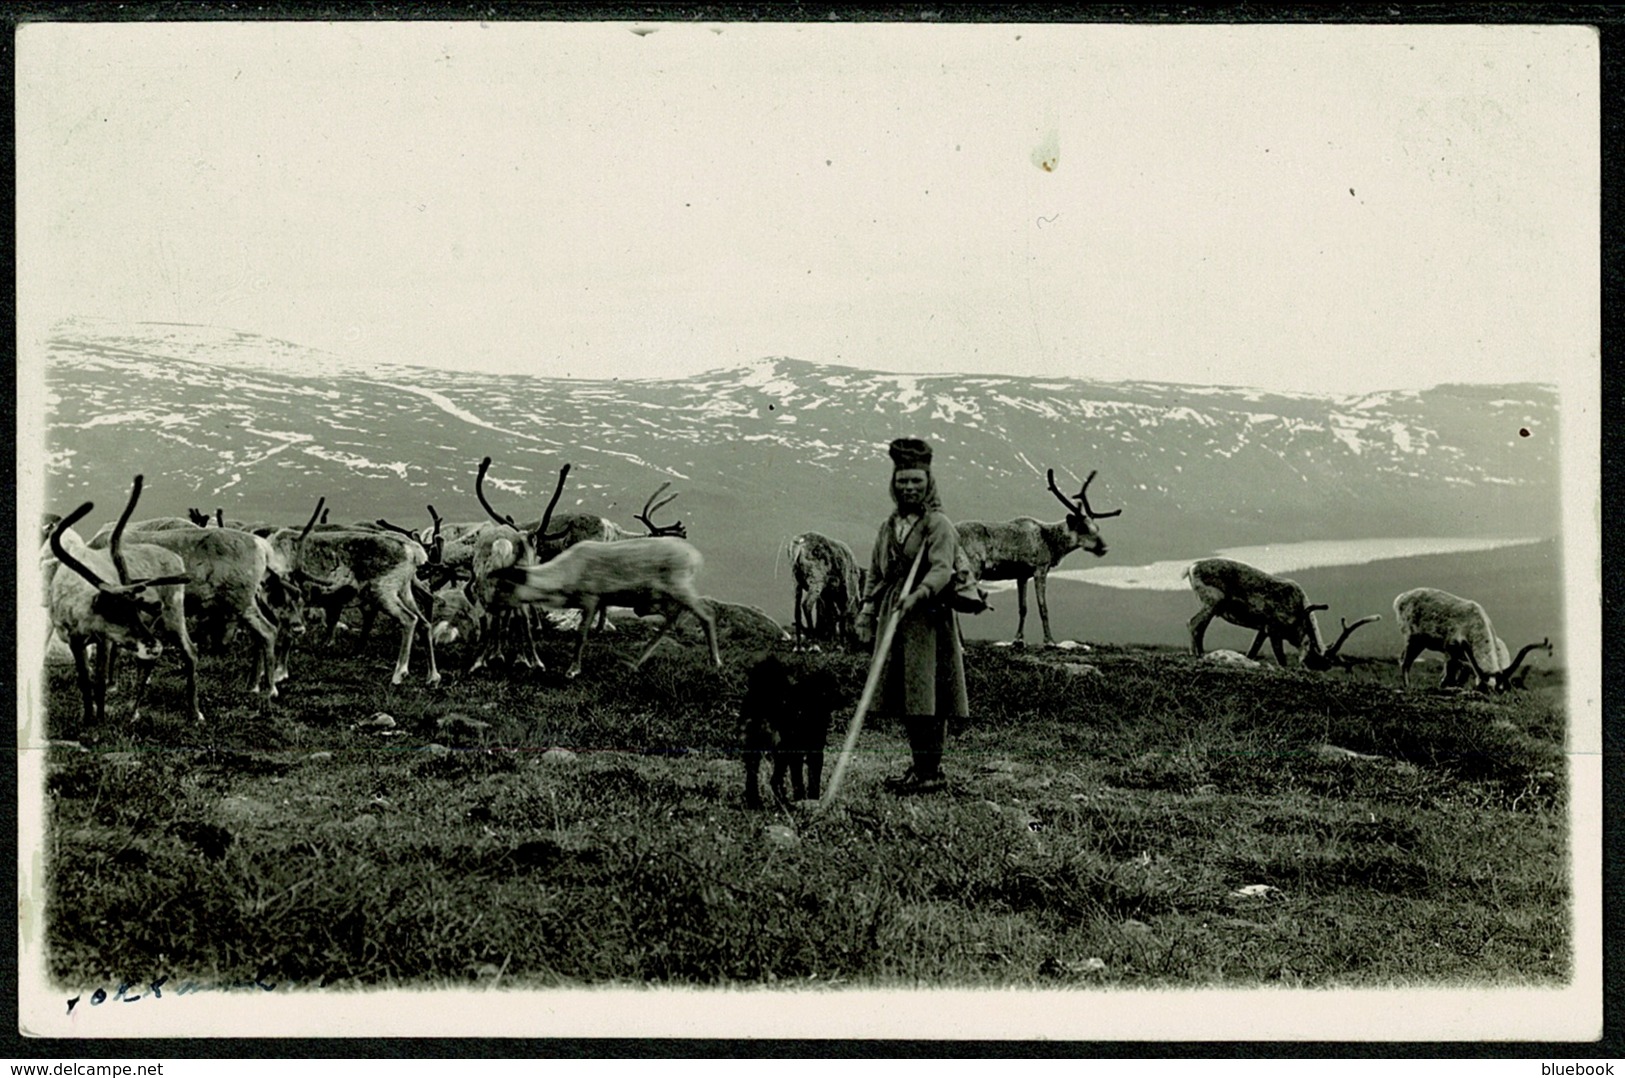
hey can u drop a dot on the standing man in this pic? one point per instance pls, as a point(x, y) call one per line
point(924, 682)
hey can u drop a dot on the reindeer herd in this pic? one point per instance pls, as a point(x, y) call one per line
point(134, 585)
point(827, 577)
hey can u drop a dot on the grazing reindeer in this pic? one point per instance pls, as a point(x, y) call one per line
point(1434, 620)
point(86, 609)
point(1457, 670)
point(789, 720)
point(1276, 608)
point(1026, 548)
point(650, 575)
point(829, 588)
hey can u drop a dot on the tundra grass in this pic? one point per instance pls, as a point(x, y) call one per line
point(1136, 819)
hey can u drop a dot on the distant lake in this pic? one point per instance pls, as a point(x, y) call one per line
point(1275, 558)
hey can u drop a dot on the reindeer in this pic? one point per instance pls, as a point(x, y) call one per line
point(1434, 620)
point(1457, 670)
point(829, 588)
point(1026, 548)
point(1277, 608)
point(576, 528)
point(500, 546)
point(651, 575)
point(148, 599)
point(381, 569)
point(234, 578)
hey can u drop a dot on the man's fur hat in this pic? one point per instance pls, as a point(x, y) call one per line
point(910, 453)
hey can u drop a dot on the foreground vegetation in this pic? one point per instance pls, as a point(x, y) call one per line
point(1121, 817)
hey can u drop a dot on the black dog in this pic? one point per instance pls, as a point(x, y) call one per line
point(789, 719)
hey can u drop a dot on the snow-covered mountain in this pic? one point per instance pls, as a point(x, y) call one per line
point(759, 453)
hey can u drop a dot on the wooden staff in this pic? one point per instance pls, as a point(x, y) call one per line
point(876, 667)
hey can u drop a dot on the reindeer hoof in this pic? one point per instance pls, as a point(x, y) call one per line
point(434, 679)
point(397, 677)
point(572, 673)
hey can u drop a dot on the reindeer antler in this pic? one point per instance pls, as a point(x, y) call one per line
point(114, 543)
point(1348, 630)
point(61, 551)
point(547, 514)
point(1512, 667)
point(1071, 506)
point(1083, 496)
point(437, 545)
point(479, 492)
point(650, 507)
point(320, 502)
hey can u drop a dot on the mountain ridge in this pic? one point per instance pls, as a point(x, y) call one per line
point(766, 449)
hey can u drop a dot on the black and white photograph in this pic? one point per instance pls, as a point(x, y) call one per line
point(873, 530)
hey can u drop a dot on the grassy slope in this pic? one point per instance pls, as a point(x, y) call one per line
point(1098, 828)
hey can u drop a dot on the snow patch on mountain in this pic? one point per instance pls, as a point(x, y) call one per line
point(450, 407)
point(765, 377)
point(355, 461)
point(140, 415)
point(909, 396)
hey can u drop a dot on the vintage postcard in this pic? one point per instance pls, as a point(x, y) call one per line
point(862, 530)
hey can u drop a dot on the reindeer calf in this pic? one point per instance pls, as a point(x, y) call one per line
point(829, 589)
point(787, 718)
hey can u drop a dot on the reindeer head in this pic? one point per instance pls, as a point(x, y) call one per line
point(130, 611)
point(1303, 633)
point(284, 604)
point(1080, 517)
point(1330, 658)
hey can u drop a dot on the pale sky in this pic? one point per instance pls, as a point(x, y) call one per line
point(1305, 208)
